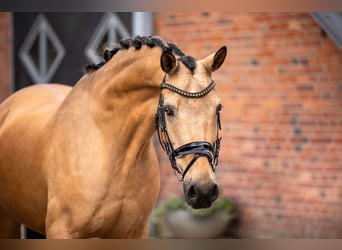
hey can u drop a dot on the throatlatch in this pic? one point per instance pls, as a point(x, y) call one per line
point(197, 148)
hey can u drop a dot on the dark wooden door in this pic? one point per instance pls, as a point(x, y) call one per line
point(55, 47)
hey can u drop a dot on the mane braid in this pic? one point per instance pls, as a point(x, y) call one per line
point(137, 43)
point(189, 62)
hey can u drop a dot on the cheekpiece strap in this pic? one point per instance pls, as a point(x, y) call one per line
point(197, 148)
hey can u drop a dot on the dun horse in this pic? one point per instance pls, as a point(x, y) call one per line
point(79, 162)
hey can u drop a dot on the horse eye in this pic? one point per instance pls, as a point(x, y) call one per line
point(168, 111)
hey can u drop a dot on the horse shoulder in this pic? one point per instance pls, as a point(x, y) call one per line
point(23, 122)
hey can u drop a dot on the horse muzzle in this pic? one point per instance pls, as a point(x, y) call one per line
point(200, 196)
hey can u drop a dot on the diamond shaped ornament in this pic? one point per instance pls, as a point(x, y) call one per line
point(109, 30)
point(42, 38)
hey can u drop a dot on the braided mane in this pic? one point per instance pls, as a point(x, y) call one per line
point(137, 43)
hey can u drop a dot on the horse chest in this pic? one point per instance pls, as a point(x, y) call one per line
point(118, 219)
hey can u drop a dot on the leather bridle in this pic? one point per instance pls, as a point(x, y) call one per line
point(197, 148)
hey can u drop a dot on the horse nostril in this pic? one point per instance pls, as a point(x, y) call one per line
point(192, 192)
point(215, 192)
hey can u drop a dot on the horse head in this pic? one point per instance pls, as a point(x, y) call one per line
point(188, 123)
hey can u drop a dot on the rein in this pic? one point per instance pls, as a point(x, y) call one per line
point(197, 148)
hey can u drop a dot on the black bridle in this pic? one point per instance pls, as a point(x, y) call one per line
point(198, 148)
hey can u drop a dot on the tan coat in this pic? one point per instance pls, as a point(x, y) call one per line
point(79, 162)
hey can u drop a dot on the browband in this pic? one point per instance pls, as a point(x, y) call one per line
point(184, 93)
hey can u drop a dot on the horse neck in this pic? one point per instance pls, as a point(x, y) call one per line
point(125, 94)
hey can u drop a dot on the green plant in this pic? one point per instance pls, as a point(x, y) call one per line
point(175, 203)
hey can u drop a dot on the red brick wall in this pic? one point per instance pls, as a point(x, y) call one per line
point(281, 87)
point(5, 63)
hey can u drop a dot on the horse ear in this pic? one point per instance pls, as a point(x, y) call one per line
point(215, 61)
point(168, 62)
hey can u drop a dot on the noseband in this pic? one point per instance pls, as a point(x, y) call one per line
point(197, 148)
